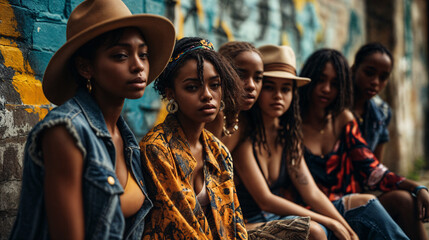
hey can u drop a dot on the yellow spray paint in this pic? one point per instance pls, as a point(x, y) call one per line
point(24, 82)
point(200, 10)
point(179, 19)
point(300, 4)
point(226, 29)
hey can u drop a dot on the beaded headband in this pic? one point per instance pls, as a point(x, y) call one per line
point(205, 44)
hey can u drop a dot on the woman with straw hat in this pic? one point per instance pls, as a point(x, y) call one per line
point(270, 164)
point(82, 172)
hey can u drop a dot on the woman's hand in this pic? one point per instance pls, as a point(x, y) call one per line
point(341, 232)
point(423, 205)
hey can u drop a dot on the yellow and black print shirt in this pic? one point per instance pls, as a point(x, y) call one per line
point(169, 165)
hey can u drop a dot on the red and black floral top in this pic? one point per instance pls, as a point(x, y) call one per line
point(351, 167)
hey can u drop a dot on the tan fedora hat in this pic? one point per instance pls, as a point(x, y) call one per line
point(92, 18)
point(280, 62)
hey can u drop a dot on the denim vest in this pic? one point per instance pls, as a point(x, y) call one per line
point(375, 122)
point(83, 119)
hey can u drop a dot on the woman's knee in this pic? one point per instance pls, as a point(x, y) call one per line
point(357, 200)
point(398, 198)
point(316, 231)
point(391, 200)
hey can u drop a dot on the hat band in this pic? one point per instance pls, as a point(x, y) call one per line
point(279, 67)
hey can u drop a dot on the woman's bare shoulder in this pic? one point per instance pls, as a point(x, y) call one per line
point(344, 118)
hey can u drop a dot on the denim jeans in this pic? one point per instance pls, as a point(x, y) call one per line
point(370, 221)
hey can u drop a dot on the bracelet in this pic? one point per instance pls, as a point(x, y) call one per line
point(417, 190)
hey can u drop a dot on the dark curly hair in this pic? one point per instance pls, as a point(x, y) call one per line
point(289, 134)
point(313, 69)
point(228, 76)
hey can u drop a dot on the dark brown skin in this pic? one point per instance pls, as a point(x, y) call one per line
point(111, 70)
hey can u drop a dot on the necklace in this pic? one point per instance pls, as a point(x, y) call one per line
point(325, 124)
point(226, 131)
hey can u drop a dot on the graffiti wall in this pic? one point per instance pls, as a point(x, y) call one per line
point(32, 30)
point(305, 25)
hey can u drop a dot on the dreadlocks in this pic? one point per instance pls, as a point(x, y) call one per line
point(313, 69)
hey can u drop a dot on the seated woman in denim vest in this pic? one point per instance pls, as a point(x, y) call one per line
point(370, 73)
point(82, 172)
point(189, 170)
point(335, 152)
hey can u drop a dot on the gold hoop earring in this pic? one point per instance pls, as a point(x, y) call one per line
point(172, 106)
point(222, 105)
point(88, 85)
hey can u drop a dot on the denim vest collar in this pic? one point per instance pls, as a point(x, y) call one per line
point(95, 118)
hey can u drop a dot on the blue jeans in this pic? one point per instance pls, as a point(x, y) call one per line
point(369, 221)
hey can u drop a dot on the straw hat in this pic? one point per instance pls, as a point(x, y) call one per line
point(280, 62)
point(92, 18)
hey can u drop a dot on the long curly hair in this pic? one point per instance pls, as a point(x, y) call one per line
point(289, 134)
point(182, 53)
point(313, 69)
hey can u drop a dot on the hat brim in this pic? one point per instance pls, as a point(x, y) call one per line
point(58, 83)
point(300, 81)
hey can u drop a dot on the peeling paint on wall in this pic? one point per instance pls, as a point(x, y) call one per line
point(24, 82)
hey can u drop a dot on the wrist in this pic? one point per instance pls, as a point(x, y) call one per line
point(417, 189)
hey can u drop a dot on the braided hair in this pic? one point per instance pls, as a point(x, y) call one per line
point(199, 50)
point(231, 50)
point(313, 69)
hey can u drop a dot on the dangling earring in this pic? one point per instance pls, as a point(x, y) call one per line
point(172, 106)
point(88, 85)
point(225, 130)
point(222, 105)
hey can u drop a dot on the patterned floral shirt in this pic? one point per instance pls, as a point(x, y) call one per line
point(350, 168)
point(176, 213)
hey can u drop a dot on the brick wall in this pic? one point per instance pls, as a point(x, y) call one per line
point(31, 31)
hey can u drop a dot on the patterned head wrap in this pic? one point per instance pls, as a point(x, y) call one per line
point(183, 48)
point(203, 44)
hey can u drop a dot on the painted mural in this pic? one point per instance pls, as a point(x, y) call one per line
point(301, 24)
point(297, 23)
